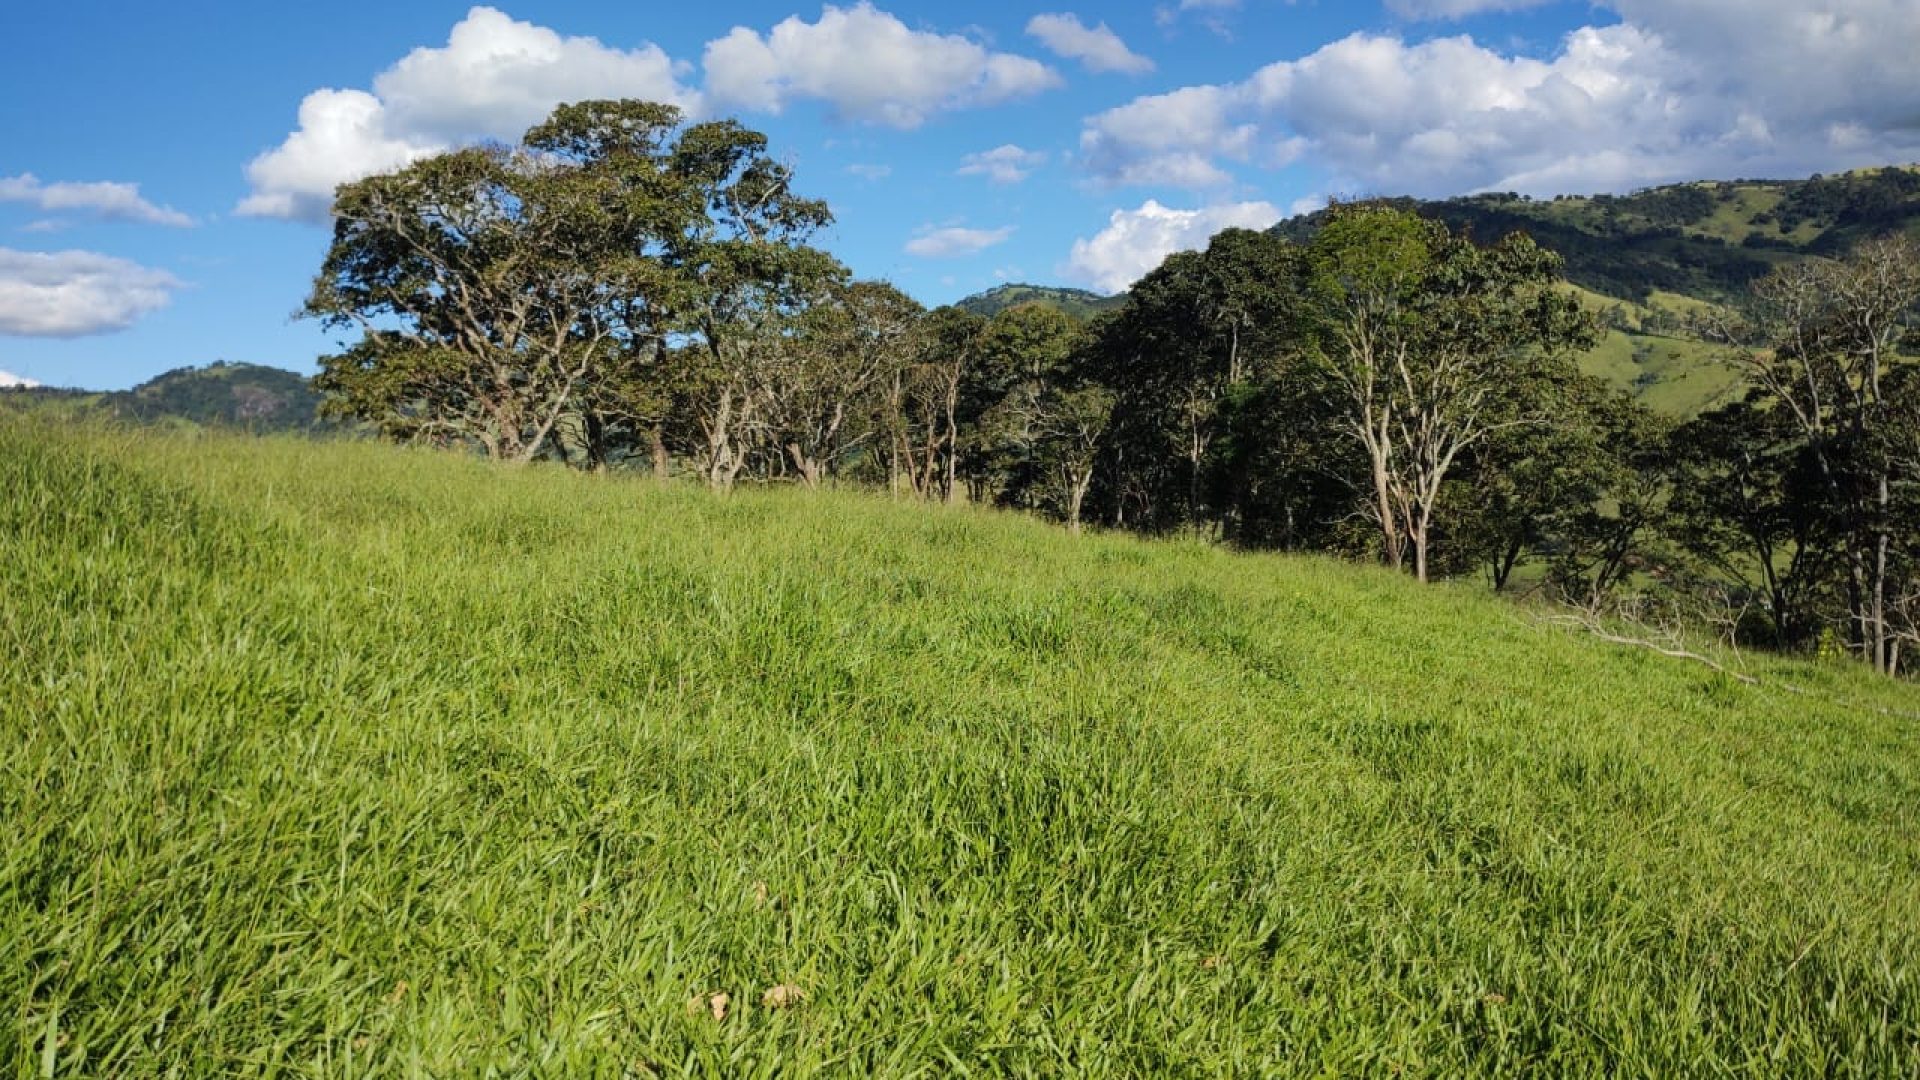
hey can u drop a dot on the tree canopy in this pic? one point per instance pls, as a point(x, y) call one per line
point(624, 289)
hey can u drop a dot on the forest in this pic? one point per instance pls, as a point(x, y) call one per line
point(625, 290)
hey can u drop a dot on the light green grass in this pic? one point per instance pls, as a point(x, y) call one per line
point(1676, 376)
point(337, 759)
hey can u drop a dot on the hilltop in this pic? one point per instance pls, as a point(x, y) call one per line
point(224, 395)
point(334, 757)
point(1706, 240)
point(1077, 303)
point(1651, 263)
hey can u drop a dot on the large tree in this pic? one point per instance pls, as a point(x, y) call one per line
point(925, 405)
point(1194, 335)
point(484, 295)
point(525, 298)
point(1830, 334)
point(824, 380)
point(1434, 344)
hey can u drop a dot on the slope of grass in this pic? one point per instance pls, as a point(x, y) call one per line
point(1677, 376)
point(331, 759)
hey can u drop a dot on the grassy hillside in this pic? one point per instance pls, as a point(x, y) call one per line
point(250, 396)
point(1667, 254)
point(1705, 240)
point(1078, 303)
point(332, 758)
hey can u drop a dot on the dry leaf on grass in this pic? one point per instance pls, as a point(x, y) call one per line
point(714, 1005)
point(782, 996)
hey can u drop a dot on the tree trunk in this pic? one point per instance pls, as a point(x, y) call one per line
point(1077, 485)
point(1883, 658)
point(657, 440)
point(808, 467)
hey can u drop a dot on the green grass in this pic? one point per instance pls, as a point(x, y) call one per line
point(1676, 376)
point(336, 759)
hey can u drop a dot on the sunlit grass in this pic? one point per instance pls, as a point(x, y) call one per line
point(340, 759)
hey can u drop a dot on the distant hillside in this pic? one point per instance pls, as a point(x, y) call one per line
point(1652, 262)
point(1077, 303)
point(1706, 240)
point(250, 396)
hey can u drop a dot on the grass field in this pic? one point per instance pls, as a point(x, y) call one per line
point(336, 759)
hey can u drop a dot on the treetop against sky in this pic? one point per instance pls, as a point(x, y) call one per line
point(168, 176)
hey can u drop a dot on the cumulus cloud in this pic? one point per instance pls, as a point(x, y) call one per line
point(1213, 13)
point(8, 378)
point(1008, 164)
point(954, 243)
point(495, 77)
point(1136, 241)
point(1173, 138)
point(1456, 9)
point(1678, 89)
point(1096, 47)
point(101, 199)
point(76, 293)
point(866, 65)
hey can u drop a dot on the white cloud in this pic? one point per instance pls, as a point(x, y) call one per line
point(953, 243)
point(1096, 47)
point(76, 293)
point(1456, 9)
point(1172, 138)
point(102, 199)
point(870, 172)
point(8, 378)
point(343, 136)
point(1136, 241)
point(867, 65)
point(1008, 164)
point(494, 78)
point(497, 76)
point(1213, 13)
point(1678, 89)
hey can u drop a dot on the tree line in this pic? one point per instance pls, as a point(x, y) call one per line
point(626, 290)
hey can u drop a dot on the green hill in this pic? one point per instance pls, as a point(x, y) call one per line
point(337, 758)
point(1705, 240)
point(1658, 258)
point(250, 396)
point(1078, 303)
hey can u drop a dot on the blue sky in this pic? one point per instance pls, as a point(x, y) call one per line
point(164, 169)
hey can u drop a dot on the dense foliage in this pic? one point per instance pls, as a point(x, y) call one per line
point(627, 290)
